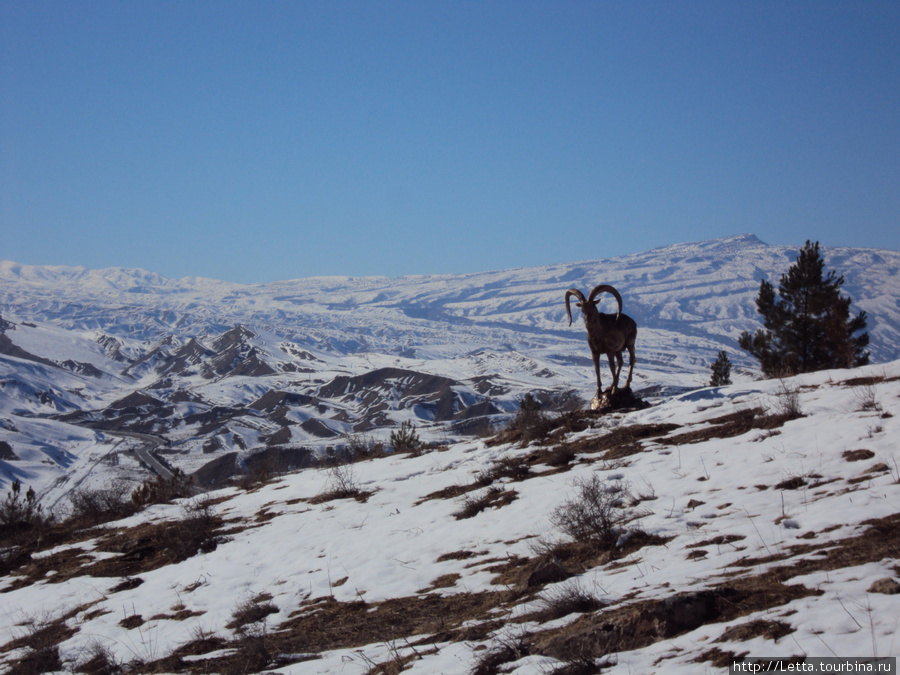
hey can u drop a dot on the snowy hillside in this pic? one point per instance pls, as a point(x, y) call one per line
point(702, 290)
point(98, 368)
point(758, 519)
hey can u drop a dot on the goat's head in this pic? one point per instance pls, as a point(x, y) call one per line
point(589, 305)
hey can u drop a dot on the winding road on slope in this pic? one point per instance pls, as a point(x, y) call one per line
point(145, 452)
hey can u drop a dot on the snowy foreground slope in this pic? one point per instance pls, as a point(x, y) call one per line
point(102, 370)
point(740, 529)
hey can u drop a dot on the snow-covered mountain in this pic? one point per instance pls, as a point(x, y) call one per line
point(97, 362)
point(754, 520)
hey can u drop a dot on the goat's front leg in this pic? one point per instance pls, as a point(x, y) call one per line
point(614, 370)
point(596, 357)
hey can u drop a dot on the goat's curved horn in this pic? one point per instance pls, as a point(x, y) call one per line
point(609, 289)
point(569, 293)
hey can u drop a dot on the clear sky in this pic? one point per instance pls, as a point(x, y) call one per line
point(257, 141)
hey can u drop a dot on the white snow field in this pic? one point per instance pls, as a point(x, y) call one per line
point(779, 532)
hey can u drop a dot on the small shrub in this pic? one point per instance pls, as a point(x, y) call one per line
point(22, 522)
point(865, 399)
point(493, 497)
point(597, 513)
point(102, 505)
point(253, 651)
point(161, 491)
point(786, 403)
point(507, 467)
point(195, 531)
point(530, 423)
point(18, 510)
point(405, 439)
point(251, 610)
point(42, 637)
point(506, 649)
point(363, 446)
point(343, 481)
point(342, 484)
point(569, 598)
point(101, 661)
point(259, 472)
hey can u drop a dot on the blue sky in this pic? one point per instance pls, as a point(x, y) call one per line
point(257, 141)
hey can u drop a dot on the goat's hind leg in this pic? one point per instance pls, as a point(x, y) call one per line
point(630, 364)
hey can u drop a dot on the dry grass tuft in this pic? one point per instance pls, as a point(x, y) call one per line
point(494, 497)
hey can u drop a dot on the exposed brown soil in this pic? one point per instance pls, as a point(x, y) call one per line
point(450, 492)
point(361, 496)
point(443, 581)
point(620, 442)
point(456, 555)
point(548, 428)
point(729, 426)
point(493, 498)
point(718, 658)
point(771, 630)
point(143, 548)
point(867, 381)
point(720, 540)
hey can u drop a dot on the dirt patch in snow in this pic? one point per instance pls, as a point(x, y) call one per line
point(729, 426)
point(620, 442)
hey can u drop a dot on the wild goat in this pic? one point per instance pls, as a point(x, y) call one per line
point(608, 334)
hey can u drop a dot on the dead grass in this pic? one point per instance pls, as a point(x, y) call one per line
point(570, 597)
point(41, 636)
point(547, 428)
point(618, 443)
point(250, 611)
point(640, 624)
point(143, 548)
point(771, 630)
point(342, 484)
point(494, 497)
point(732, 425)
point(443, 581)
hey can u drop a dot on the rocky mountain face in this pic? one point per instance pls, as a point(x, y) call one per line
point(90, 358)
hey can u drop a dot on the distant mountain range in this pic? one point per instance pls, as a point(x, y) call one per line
point(213, 369)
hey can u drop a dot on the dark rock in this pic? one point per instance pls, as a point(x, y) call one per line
point(887, 586)
point(622, 399)
point(6, 451)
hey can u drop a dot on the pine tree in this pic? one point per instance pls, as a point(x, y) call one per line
point(721, 371)
point(808, 326)
point(405, 439)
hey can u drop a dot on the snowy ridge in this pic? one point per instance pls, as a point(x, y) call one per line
point(701, 289)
